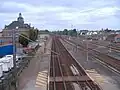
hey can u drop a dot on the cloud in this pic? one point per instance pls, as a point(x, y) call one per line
point(10, 7)
point(61, 14)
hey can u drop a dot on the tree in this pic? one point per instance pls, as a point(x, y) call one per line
point(36, 31)
point(22, 40)
point(65, 32)
point(70, 32)
point(33, 34)
point(107, 30)
point(74, 32)
point(46, 31)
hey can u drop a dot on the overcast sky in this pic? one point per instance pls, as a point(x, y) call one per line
point(59, 14)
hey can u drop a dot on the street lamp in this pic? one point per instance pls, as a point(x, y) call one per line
point(86, 47)
point(110, 46)
point(14, 57)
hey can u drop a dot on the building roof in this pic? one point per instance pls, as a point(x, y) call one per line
point(17, 23)
point(117, 36)
point(13, 25)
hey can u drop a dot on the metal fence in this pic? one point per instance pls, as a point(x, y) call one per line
point(7, 79)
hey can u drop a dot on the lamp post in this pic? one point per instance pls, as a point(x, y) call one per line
point(14, 56)
point(87, 47)
point(87, 50)
point(44, 46)
point(110, 46)
point(77, 33)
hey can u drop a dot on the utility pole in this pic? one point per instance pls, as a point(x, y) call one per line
point(110, 46)
point(87, 50)
point(77, 33)
point(44, 46)
point(14, 58)
point(87, 47)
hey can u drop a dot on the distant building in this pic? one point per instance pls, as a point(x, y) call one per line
point(83, 32)
point(114, 38)
point(0, 34)
point(111, 37)
point(117, 38)
point(21, 28)
point(19, 23)
point(43, 34)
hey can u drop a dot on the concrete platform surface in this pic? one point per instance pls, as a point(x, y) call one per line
point(35, 76)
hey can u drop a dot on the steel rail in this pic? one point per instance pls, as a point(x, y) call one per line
point(79, 72)
point(61, 70)
point(61, 59)
point(68, 66)
point(86, 82)
point(54, 69)
point(55, 84)
point(61, 62)
point(109, 62)
point(116, 65)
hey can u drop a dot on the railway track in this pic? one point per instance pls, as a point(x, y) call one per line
point(65, 72)
point(101, 56)
point(107, 59)
point(112, 46)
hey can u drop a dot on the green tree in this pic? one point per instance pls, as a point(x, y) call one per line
point(22, 40)
point(33, 34)
point(65, 32)
point(46, 31)
point(72, 32)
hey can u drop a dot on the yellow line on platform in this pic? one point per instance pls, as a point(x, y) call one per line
point(41, 84)
point(43, 79)
point(43, 76)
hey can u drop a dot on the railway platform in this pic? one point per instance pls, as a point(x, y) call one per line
point(35, 77)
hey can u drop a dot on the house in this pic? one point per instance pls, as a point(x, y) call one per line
point(43, 34)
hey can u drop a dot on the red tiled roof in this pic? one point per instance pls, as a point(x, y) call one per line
point(117, 36)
